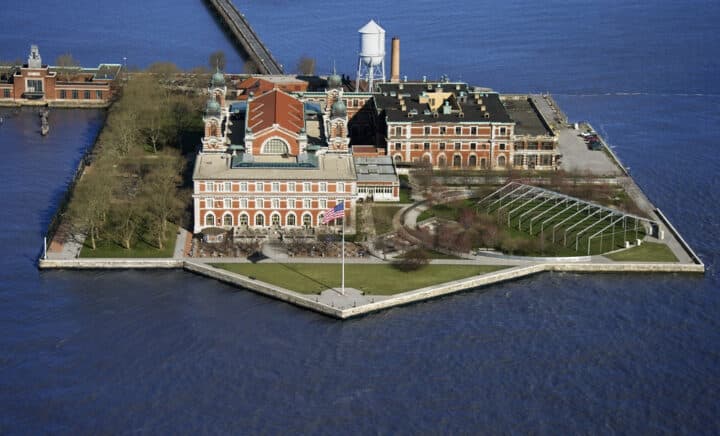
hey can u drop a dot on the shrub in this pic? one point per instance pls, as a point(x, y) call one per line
point(413, 260)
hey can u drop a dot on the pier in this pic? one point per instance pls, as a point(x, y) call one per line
point(241, 31)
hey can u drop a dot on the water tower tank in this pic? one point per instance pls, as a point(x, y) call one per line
point(372, 44)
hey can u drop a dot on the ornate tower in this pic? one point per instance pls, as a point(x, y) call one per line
point(214, 139)
point(218, 87)
point(335, 115)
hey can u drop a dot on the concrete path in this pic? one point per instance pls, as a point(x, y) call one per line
point(180, 242)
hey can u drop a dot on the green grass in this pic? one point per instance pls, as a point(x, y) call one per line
point(377, 279)
point(382, 216)
point(647, 252)
point(142, 248)
point(405, 195)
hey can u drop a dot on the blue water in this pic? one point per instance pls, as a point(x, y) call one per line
point(170, 352)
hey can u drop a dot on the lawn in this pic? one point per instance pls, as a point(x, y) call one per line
point(142, 248)
point(382, 216)
point(377, 279)
point(647, 252)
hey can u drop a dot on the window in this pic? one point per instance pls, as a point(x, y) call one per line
point(472, 161)
point(323, 186)
point(442, 146)
point(210, 186)
point(291, 219)
point(323, 203)
point(291, 186)
point(291, 203)
point(209, 203)
point(307, 220)
point(545, 160)
point(243, 187)
point(228, 187)
point(210, 219)
point(35, 86)
point(398, 158)
point(259, 203)
point(473, 146)
point(307, 203)
point(398, 131)
point(441, 161)
point(473, 130)
point(458, 146)
point(227, 203)
point(501, 161)
point(275, 203)
point(243, 203)
point(227, 220)
point(275, 146)
point(457, 161)
point(275, 187)
point(483, 163)
point(259, 187)
point(398, 146)
point(355, 102)
point(503, 130)
point(243, 220)
point(518, 160)
point(442, 130)
point(74, 94)
point(275, 219)
point(98, 95)
point(259, 219)
point(86, 94)
point(306, 187)
point(458, 130)
point(427, 130)
point(63, 93)
point(340, 187)
point(426, 146)
point(501, 146)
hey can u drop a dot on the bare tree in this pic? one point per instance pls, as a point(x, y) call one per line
point(8, 67)
point(91, 201)
point(125, 128)
point(164, 70)
point(250, 67)
point(124, 223)
point(67, 66)
point(306, 65)
point(161, 195)
point(412, 260)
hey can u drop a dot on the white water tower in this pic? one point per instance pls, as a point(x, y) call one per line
point(371, 60)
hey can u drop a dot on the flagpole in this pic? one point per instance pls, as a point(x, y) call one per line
point(343, 251)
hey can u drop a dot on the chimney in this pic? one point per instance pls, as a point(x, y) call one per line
point(395, 63)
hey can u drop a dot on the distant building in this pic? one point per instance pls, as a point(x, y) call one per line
point(35, 81)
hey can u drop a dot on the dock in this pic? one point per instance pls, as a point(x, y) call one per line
point(244, 35)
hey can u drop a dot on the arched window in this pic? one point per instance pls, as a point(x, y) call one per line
point(320, 218)
point(501, 161)
point(398, 158)
point(227, 220)
point(260, 219)
point(209, 219)
point(426, 158)
point(472, 161)
point(275, 146)
point(290, 219)
point(275, 219)
point(307, 220)
point(441, 160)
point(483, 163)
point(457, 161)
point(244, 220)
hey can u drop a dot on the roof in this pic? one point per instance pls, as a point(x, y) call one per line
point(371, 27)
point(375, 169)
point(475, 106)
point(261, 85)
point(526, 117)
point(216, 166)
point(275, 107)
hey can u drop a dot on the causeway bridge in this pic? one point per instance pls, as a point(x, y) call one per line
point(240, 29)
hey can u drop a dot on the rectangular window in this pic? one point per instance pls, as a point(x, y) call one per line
point(323, 204)
point(63, 93)
point(458, 146)
point(442, 146)
point(98, 95)
point(259, 187)
point(227, 203)
point(243, 187)
point(545, 159)
point(503, 130)
point(228, 186)
point(291, 186)
point(427, 130)
point(458, 130)
point(340, 187)
point(259, 203)
point(398, 131)
point(426, 146)
point(398, 146)
point(442, 130)
point(502, 146)
point(306, 187)
point(276, 203)
point(291, 203)
point(244, 203)
point(275, 187)
point(473, 130)
point(209, 203)
point(74, 94)
point(86, 94)
point(35, 86)
point(307, 203)
point(210, 186)
point(323, 186)
point(473, 146)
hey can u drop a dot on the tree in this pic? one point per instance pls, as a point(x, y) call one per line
point(250, 67)
point(7, 68)
point(124, 222)
point(412, 260)
point(91, 201)
point(161, 195)
point(217, 60)
point(306, 65)
point(67, 66)
point(164, 70)
point(124, 130)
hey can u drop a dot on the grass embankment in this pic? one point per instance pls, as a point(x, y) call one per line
point(144, 247)
point(372, 279)
point(647, 252)
point(382, 217)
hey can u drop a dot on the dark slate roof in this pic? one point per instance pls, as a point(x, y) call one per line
point(463, 97)
point(526, 117)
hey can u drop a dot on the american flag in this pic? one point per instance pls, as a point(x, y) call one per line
point(334, 213)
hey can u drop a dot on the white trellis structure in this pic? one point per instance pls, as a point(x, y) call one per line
point(568, 218)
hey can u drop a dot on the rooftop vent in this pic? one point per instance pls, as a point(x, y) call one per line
point(483, 108)
point(412, 113)
point(486, 115)
point(461, 114)
point(393, 94)
point(426, 112)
